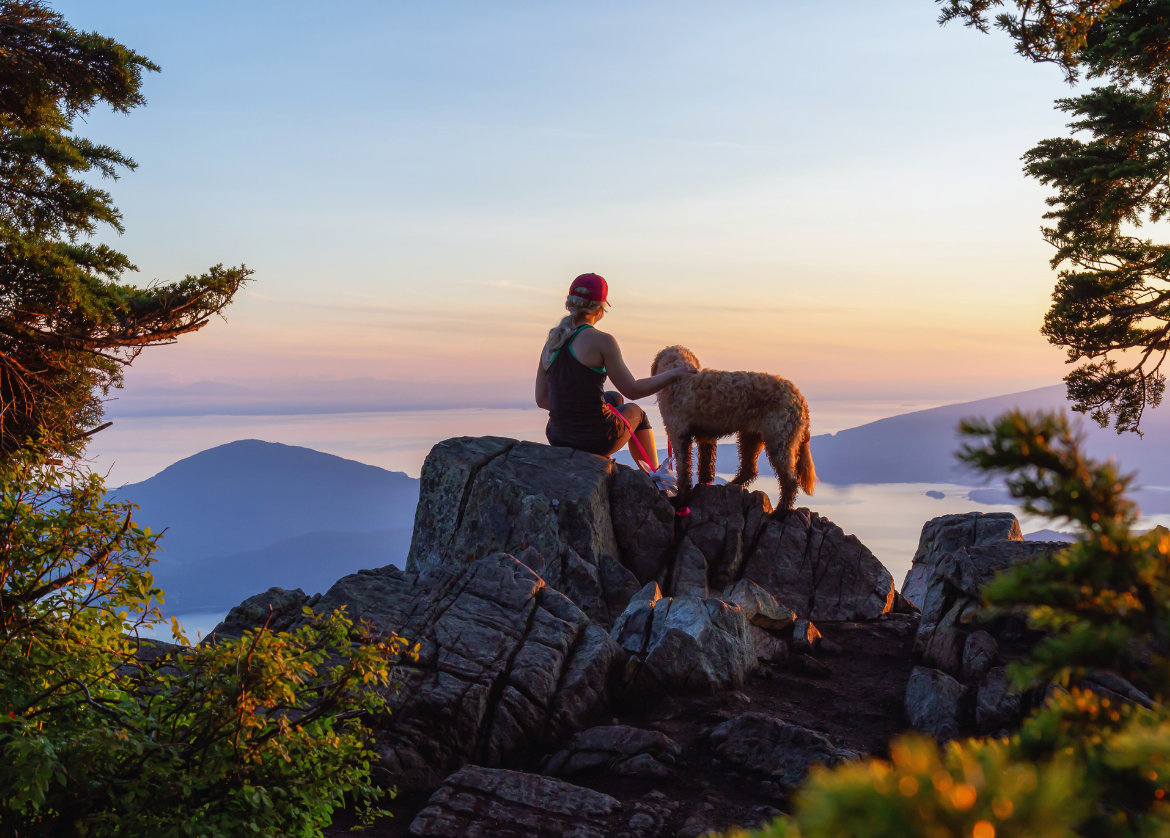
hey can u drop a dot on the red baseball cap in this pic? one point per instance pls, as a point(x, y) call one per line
point(591, 287)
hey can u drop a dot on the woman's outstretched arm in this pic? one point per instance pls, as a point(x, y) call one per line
point(630, 387)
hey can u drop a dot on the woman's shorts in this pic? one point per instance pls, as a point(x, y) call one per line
point(615, 399)
point(600, 439)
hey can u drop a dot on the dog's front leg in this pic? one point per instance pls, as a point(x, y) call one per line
point(684, 463)
point(707, 454)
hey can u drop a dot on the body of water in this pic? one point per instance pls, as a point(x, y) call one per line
point(887, 518)
point(137, 447)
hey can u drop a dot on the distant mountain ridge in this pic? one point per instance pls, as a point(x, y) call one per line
point(231, 513)
point(920, 447)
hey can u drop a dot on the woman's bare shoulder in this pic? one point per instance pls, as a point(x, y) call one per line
point(597, 337)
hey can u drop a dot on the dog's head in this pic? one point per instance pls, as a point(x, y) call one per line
point(674, 356)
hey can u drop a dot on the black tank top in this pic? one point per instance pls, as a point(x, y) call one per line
point(576, 416)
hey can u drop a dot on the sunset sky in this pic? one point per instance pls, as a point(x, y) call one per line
point(831, 192)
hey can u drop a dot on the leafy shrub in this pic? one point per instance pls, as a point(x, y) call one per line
point(257, 736)
point(1083, 764)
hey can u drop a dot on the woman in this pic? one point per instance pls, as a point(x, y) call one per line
point(570, 380)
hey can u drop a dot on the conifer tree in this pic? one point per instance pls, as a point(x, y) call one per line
point(69, 322)
point(99, 736)
point(1111, 180)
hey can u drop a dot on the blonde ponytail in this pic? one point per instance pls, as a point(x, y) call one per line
point(561, 332)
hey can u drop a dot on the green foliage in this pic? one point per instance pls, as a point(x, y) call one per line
point(1083, 764)
point(1105, 601)
point(259, 736)
point(921, 793)
point(102, 733)
point(1052, 31)
point(1111, 304)
point(68, 323)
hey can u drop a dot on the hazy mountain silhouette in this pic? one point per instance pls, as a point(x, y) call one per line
point(920, 447)
point(233, 511)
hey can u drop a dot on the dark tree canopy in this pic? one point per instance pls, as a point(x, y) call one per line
point(68, 321)
point(1111, 180)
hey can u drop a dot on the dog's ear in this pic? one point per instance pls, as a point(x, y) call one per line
point(657, 361)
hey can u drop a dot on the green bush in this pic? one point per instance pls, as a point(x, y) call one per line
point(257, 737)
point(1081, 765)
point(261, 736)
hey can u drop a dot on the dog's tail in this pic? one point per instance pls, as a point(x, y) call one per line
point(806, 472)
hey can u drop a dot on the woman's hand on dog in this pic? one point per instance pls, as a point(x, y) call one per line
point(682, 372)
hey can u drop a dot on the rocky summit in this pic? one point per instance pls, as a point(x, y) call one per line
point(593, 661)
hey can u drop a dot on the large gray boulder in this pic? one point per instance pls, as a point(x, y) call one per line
point(805, 561)
point(522, 495)
point(932, 703)
point(447, 475)
point(475, 802)
point(948, 533)
point(957, 555)
point(505, 664)
point(616, 749)
point(596, 531)
point(684, 645)
point(784, 751)
point(997, 704)
point(483, 495)
point(808, 563)
point(277, 608)
point(759, 607)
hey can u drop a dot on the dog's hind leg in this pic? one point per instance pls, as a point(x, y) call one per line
point(707, 454)
point(749, 453)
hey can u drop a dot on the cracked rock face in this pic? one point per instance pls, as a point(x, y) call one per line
point(482, 495)
point(596, 531)
point(505, 664)
point(643, 523)
point(957, 555)
point(478, 802)
point(685, 645)
point(979, 655)
point(808, 563)
point(948, 533)
point(763, 743)
point(725, 523)
point(443, 487)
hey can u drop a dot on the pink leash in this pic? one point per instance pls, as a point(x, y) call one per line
point(613, 411)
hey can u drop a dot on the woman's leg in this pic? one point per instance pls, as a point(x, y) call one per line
point(642, 431)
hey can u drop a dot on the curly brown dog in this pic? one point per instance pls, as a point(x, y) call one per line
point(766, 411)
